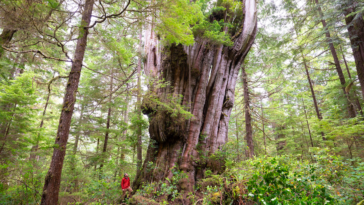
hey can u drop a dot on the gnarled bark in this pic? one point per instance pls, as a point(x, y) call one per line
point(205, 76)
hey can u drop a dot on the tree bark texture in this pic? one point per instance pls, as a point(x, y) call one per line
point(355, 26)
point(204, 75)
point(53, 177)
point(248, 117)
point(351, 110)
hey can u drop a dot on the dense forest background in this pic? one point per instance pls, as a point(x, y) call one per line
point(295, 133)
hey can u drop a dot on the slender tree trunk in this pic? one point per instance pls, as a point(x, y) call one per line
point(355, 25)
point(308, 125)
point(97, 151)
point(263, 127)
point(6, 130)
point(248, 118)
point(53, 177)
point(80, 123)
point(357, 102)
point(33, 154)
point(346, 64)
point(280, 135)
point(139, 111)
point(319, 116)
point(104, 149)
point(304, 140)
point(339, 71)
point(237, 136)
point(75, 147)
point(126, 121)
point(5, 124)
point(117, 159)
point(189, 145)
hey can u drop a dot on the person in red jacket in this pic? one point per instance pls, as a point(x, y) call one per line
point(125, 185)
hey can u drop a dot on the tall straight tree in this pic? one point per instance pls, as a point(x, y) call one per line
point(204, 76)
point(305, 64)
point(53, 177)
point(351, 110)
point(107, 132)
point(248, 117)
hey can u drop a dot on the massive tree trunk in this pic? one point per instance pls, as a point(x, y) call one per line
point(53, 177)
point(248, 117)
point(351, 110)
point(355, 25)
point(204, 75)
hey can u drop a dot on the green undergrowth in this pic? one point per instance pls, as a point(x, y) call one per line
point(280, 180)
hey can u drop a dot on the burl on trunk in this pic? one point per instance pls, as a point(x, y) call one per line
point(205, 76)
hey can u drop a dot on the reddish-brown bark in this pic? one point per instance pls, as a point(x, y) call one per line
point(53, 177)
point(205, 76)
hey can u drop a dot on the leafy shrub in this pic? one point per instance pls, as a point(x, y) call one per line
point(274, 183)
point(328, 179)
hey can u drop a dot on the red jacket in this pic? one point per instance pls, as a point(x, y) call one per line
point(125, 183)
